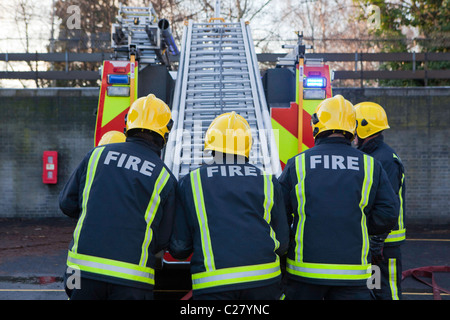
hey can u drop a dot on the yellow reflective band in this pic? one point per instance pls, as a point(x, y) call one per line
point(236, 275)
point(301, 200)
point(396, 235)
point(202, 218)
point(399, 234)
point(393, 279)
point(90, 174)
point(365, 194)
point(329, 271)
point(401, 224)
point(109, 267)
point(268, 204)
point(150, 213)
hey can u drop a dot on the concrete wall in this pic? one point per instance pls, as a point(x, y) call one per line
point(34, 120)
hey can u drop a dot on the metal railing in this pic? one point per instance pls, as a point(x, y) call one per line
point(357, 72)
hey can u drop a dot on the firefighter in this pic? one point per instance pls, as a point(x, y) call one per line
point(372, 121)
point(123, 197)
point(338, 196)
point(232, 218)
point(112, 136)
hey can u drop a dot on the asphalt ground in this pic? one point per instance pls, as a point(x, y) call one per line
point(33, 255)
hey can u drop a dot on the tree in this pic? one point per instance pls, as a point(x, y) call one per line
point(85, 26)
point(26, 14)
point(96, 17)
point(431, 20)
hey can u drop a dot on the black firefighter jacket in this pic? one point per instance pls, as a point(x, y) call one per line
point(232, 217)
point(338, 197)
point(395, 171)
point(124, 199)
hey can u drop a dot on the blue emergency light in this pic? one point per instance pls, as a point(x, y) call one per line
point(118, 79)
point(315, 82)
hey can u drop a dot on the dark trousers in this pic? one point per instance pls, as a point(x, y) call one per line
point(391, 275)
point(270, 292)
point(296, 290)
point(100, 290)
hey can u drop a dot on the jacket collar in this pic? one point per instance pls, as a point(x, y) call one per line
point(333, 140)
point(371, 145)
point(146, 143)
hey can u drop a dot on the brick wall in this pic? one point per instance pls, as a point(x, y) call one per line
point(420, 131)
point(34, 120)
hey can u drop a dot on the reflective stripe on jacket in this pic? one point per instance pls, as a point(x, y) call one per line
point(338, 196)
point(395, 171)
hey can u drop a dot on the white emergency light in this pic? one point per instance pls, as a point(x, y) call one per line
point(118, 91)
point(314, 94)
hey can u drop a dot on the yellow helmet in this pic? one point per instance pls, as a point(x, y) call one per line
point(371, 119)
point(150, 113)
point(112, 137)
point(229, 133)
point(334, 114)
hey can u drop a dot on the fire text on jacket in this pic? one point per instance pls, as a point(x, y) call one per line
point(334, 162)
point(123, 160)
point(231, 171)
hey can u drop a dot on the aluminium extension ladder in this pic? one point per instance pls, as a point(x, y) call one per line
point(218, 73)
point(136, 27)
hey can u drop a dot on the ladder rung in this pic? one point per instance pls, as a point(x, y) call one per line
point(214, 33)
point(215, 40)
point(217, 90)
point(199, 118)
point(218, 94)
point(219, 45)
point(218, 64)
point(197, 24)
point(218, 81)
point(225, 58)
point(216, 52)
point(237, 27)
point(224, 99)
point(219, 75)
point(229, 109)
point(218, 70)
